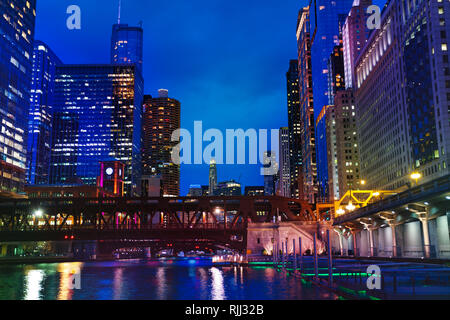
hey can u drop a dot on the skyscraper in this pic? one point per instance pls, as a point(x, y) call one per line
point(161, 119)
point(16, 50)
point(97, 117)
point(284, 181)
point(333, 177)
point(269, 177)
point(348, 161)
point(307, 123)
point(45, 62)
point(336, 78)
point(402, 96)
point(326, 22)
point(127, 45)
point(354, 36)
point(295, 153)
point(212, 177)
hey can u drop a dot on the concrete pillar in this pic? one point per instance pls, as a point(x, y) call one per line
point(426, 236)
point(394, 240)
point(341, 243)
point(355, 245)
point(371, 243)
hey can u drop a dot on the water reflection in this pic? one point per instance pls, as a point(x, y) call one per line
point(66, 273)
point(33, 284)
point(118, 283)
point(218, 290)
point(161, 279)
point(151, 280)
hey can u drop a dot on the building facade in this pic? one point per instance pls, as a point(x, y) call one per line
point(228, 188)
point(294, 122)
point(212, 177)
point(307, 123)
point(45, 62)
point(284, 181)
point(347, 146)
point(254, 191)
point(16, 54)
point(326, 22)
point(403, 82)
point(333, 178)
point(97, 117)
point(127, 45)
point(354, 36)
point(161, 119)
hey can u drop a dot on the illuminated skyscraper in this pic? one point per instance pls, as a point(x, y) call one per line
point(307, 124)
point(403, 95)
point(40, 118)
point(295, 153)
point(97, 117)
point(336, 78)
point(348, 161)
point(212, 177)
point(354, 36)
point(16, 52)
point(327, 19)
point(161, 119)
point(284, 181)
point(127, 45)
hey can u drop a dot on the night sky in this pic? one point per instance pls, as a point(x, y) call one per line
point(225, 60)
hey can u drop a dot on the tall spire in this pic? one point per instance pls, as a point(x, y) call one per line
point(120, 8)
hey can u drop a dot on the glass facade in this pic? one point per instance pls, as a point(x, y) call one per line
point(39, 121)
point(307, 125)
point(127, 45)
point(419, 95)
point(98, 116)
point(16, 49)
point(326, 21)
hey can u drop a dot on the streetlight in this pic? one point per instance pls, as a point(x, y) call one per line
point(350, 206)
point(38, 213)
point(363, 182)
point(416, 176)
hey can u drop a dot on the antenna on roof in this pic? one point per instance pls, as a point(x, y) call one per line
point(120, 8)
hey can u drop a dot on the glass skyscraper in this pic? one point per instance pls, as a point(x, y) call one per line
point(127, 45)
point(16, 49)
point(97, 117)
point(327, 19)
point(40, 116)
point(307, 127)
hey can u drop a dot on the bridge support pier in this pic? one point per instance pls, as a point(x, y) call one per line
point(426, 236)
point(355, 244)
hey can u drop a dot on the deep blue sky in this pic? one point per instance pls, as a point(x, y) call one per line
point(225, 60)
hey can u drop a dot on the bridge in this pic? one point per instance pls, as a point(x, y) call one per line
point(179, 222)
point(414, 223)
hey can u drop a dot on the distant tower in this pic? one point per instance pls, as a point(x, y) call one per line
point(126, 43)
point(212, 177)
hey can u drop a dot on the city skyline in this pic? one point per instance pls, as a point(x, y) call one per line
point(227, 73)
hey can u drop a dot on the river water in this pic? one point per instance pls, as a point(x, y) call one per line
point(178, 279)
